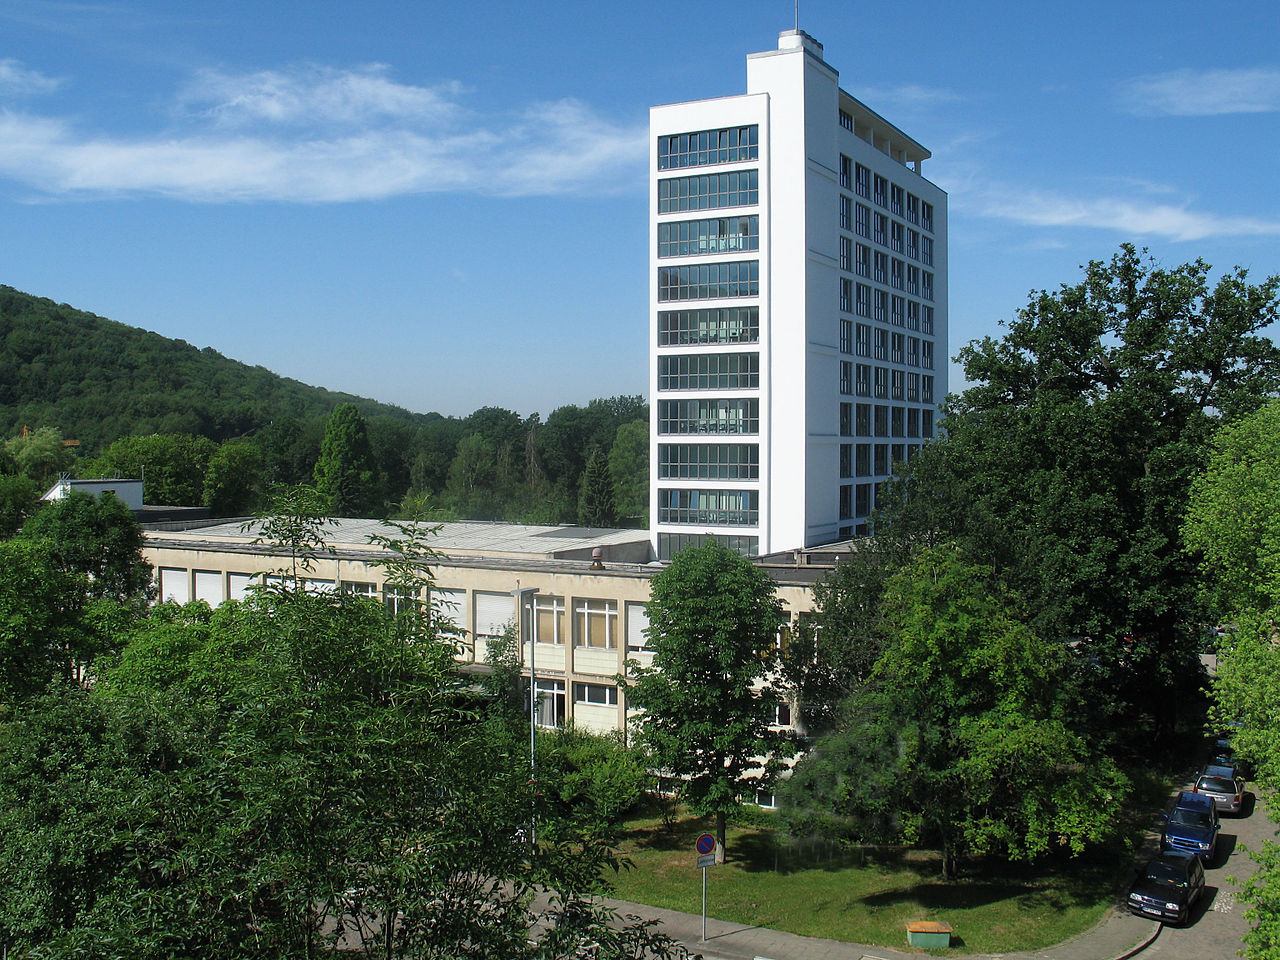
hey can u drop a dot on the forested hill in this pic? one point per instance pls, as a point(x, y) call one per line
point(97, 380)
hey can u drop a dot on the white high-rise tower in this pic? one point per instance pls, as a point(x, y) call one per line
point(798, 308)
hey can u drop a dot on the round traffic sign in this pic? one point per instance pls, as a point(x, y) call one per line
point(706, 843)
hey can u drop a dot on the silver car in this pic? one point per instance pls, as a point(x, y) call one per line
point(1227, 792)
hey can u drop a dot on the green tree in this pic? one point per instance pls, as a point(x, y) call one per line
point(43, 634)
point(963, 735)
point(98, 537)
point(595, 502)
point(471, 477)
point(39, 455)
point(707, 709)
point(19, 499)
point(629, 467)
point(172, 466)
point(346, 473)
point(1066, 466)
point(294, 522)
point(235, 483)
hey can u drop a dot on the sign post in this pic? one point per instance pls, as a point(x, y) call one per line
point(706, 847)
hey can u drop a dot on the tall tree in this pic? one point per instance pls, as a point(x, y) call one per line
point(236, 481)
point(595, 501)
point(1066, 466)
point(39, 454)
point(19, 499)
point(172, 466)
point(346, 473)
point(629, 466)
point(98, 537)
point(707, 708)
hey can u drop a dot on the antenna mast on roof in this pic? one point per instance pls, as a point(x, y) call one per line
point(797, 16)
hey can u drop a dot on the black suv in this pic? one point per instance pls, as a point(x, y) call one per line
point(1167, 888)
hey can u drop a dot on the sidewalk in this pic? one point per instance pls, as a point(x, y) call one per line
point(1118, 936)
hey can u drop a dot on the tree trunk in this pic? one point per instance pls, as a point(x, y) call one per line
point(720, 836)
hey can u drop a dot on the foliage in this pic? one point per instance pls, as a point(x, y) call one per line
point(39, 455)
point(98, 537)
point(19, 499)
point(43, 634)
point(963, 734)
point(346, 475)
point(595, 779)
point(707, 711)
point(1232, 521)
point(629, 466)
point(172, 466)
point(236, 480)
point(294, 522)
point(1066, 466)
point(595, 501)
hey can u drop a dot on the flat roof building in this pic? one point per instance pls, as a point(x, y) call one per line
point(798, 308)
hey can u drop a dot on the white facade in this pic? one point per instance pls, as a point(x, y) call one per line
point(798, 308)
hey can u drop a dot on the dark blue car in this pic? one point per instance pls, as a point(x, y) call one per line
point(1191, 825)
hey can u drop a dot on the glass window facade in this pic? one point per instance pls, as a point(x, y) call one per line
point(596, 623)
point(705, 147)
point(708, 461)
point(727, 416)
point(710, 191)
point(733, 508)
point(689, 238)
point(709, 281)
point(723, 325)
point(709, 371)
point(669, 544)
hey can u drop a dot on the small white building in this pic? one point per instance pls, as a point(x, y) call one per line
point(129, 491)
point(798, 308)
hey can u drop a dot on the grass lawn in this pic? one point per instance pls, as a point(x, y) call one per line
point(821, 891)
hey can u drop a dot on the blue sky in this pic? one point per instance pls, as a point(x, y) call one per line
point(444, 205)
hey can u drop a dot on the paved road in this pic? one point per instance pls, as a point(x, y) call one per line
point(1218, 925)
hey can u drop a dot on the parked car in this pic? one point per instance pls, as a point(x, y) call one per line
point(1191, 825)
point(1167, 887)
point(1220, 783)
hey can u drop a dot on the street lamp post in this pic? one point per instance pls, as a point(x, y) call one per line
point(523, 595)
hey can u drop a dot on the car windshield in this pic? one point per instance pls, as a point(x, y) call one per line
point(1189, 818)
point(1166, 873)
point(1216, 785)
point(1220, 770)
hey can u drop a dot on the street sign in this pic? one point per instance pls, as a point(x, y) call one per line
point(706, 844)
point(706, 860)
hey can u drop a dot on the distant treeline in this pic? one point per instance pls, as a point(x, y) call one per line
point(210, 430)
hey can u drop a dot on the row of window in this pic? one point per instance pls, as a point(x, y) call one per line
point(731, 508)
point(669, 544)
point(872, 225)
point(879, 420)
point(864, 340)
point(688, 238)
point(727, 416)
point(595, 621)
point(873, 303)
point(883, 383)
point(885, 193)
point(709, 191)
point(708, 461)
point(709, 281)
point(709, 371)
point(709, 325)
point(861, 259)
point(705, 147)
point(873, 459)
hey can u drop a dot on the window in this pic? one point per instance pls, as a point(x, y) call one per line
point(596, 623)
point(896, 427)
point(687, 238)
point(862, 260)
point(899, 453)
point(720, 507)
point(882, 305)
point(709, 281)
point(882, 382)
point(846, 120)
point(600, 694)
point(669, 544)
point(926, 216)
point(781, 718)
point(709, 191)
point(926, 354)
point(359, 588)
point(895, 199)
point(882, 459)
point(926, 285)
point(709, 416)
point(863, 422)
point(708, 461)
point(863, 300)
point(846, 254)
point(862, 181)
point(846, 460)
point(846, 336)
point(723, 325)
point(913, 387)
point(846, 172)
point(846, 295)
point(896, 306)
point(913, 244)
point(895, 236)
point(880, 229)
point(913, 208)
point(882, 344)
point(895, 347)
point(846, 419)
point(864, 380)
point(913, 280)
point(882, 421)
point(862, 465)
point(926, 250)
point(913, 351)
point(862, 226)
point(926, 423)
point(913, 422)
point(895, 273)
point(846, 377)
point(399, 600)
point(897, 389)
point(862, 500)
point(548, 618)
point(926, 389)
point(550, 698)
point(880, 191)
point(846, 212)
point(709, 371)
point(881, 272)
point(862, 340)
point(728, 145)
point(926, 320)
point(913, 315)
point(846, 501)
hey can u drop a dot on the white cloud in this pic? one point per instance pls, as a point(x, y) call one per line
point(17, 79)
point(1127, 215)
point(321, 135)
point(904, 97)
point(1201, 93)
